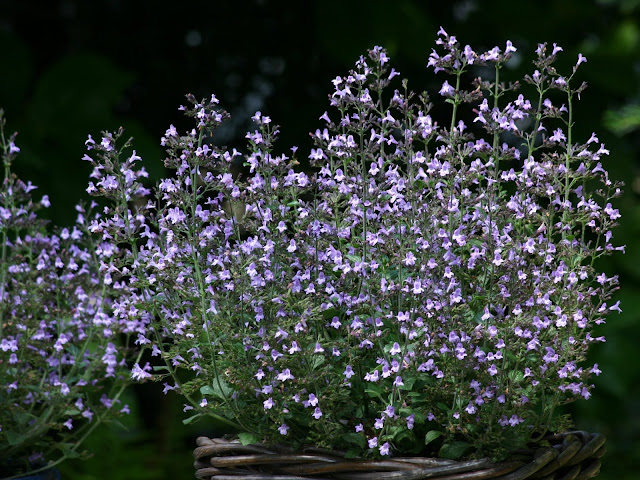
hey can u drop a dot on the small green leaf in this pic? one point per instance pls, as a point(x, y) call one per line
point(516, 376)
point(329, 313)
point(207, 390)
point(408, 383)
point(352, 453)
point(454, 450)
point(67, 450)
point(431, 436)
point(356, 439)
point(14, 438)
point(248, 438)
point(374, 391)
point(218, 389)
point(317, 361)
point(119, 424)
point(187, 421)
point(403, 435)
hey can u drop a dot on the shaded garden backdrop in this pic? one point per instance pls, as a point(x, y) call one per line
point(73, 67)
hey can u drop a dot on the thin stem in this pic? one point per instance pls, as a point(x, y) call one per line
point(456, 102)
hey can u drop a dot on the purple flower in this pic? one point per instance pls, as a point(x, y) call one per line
point(379, 423)
point(410, 421)
point(138, 373)
point(385, 449)
point(285, 375)
point(175, 215)
point(446, 90)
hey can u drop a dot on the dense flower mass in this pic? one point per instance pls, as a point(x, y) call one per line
point(62, 360)
point(418, 286)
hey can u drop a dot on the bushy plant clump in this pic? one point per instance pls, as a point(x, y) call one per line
point(420, 288)
point(66, 339)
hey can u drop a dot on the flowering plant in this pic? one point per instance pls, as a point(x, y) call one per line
point(420, 288)
point(62, 362)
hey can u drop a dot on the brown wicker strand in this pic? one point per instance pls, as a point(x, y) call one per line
point(352, 465)
point(237, 460)
point(541, 458)
point(590, 471)
point(490, 473)
point(589, 449)
point(572, 445)
point(572, 456)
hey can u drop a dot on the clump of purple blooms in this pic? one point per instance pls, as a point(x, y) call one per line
point(66, 331)
point(419, 288)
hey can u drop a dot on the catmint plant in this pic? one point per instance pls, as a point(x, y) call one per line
point(66, 334)
point(421, 288)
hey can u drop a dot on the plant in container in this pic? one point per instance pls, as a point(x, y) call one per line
point(63, 366)
point(416, 303)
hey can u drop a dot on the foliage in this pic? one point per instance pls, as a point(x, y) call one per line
point(424, 288)
point(62, 365)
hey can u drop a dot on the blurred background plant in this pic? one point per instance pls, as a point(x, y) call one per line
point(72, 68)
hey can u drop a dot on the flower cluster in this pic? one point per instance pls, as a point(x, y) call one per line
point(63, 362)
point(419, 288)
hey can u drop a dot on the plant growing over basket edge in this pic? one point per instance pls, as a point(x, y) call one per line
point(421, 288)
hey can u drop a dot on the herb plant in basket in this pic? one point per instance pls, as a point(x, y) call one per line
point(416, 303)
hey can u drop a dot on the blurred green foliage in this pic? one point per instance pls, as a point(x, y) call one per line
point(97, 65)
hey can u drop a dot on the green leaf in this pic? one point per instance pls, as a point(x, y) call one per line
point(403, 435)
point(248, 438)
point(516, 376)
point(23, 418)
point(67, 450)
point(14, 438)
point(408, 383)
point(316, 361)
point(454, 450)
point(329, 313)
point(374, 391)
point(118, 423)
point(187, 421)
point(431, 436)
point(356, 439)
point(207, 390)
point(352, 453)
point(218, 389)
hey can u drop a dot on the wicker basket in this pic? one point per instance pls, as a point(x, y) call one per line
point(572, 456)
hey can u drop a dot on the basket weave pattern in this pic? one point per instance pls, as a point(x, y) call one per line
point(571, 456)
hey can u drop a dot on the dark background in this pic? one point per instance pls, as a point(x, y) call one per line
point(70, 67)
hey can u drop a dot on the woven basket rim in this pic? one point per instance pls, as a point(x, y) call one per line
point(572, 455)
